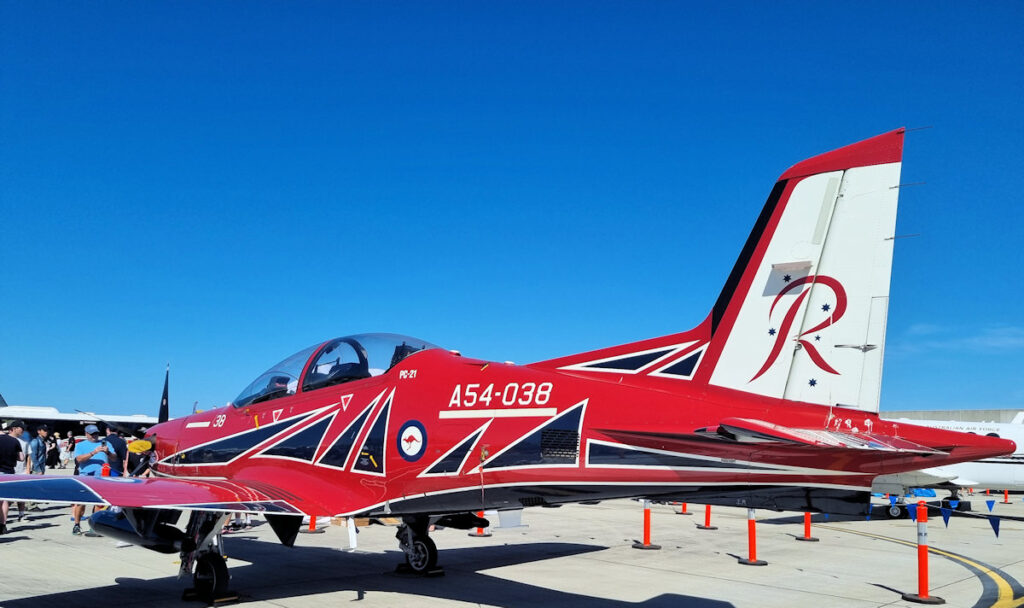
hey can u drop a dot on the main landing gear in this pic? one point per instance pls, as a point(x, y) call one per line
point(201, 554)
point(420, 550)
point(896, 510)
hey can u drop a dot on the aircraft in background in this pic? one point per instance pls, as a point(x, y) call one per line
point(998, 473)
point(768, 403)
point(59, 421)
point(70, 421)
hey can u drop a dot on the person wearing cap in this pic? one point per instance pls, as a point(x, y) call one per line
point(10, 454)
point(90, 456)
point(37, 451)
point(16, 428)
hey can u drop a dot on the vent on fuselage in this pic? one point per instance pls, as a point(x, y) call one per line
point(554, 443)
point(559, 445)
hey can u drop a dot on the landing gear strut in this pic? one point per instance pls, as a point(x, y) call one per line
point(420, 550)
point(201, 555)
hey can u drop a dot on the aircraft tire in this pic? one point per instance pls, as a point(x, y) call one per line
point(424, 556)
point(210, 577)
point(895, 511)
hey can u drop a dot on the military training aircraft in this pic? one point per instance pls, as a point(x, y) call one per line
point(768, 403)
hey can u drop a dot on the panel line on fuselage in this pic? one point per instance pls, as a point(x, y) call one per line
point(394, 504)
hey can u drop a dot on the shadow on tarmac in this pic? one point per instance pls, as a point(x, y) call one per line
point(277, 572)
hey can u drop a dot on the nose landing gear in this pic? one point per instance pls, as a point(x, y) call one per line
point(420, 551)
point(201, 555)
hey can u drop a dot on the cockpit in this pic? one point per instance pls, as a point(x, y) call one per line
point(330, 363)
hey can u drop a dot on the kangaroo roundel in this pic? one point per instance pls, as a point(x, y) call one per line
point(412, 440)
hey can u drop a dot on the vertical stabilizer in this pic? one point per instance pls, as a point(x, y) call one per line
point(165, 413)
point(803, 314)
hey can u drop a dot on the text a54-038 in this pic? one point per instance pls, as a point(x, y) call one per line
point(508, 395)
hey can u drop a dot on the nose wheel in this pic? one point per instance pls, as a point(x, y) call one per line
point(210, 577)
point(420, 550)
point(201, 555)
point(423, 557)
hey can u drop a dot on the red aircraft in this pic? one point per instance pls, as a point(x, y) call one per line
point(769, 403)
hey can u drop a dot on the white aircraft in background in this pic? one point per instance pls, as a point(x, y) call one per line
point(1003, 473)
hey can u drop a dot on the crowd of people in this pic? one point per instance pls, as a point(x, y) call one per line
point(102, 452)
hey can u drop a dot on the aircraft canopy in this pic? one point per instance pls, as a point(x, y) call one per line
point(330, 363)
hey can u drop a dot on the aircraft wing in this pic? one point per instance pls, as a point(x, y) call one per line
point(152, 493)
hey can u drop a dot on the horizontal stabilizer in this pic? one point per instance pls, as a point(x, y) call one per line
point(748, 430)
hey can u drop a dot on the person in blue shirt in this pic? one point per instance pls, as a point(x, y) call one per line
point(91, 455)
point(37, 451)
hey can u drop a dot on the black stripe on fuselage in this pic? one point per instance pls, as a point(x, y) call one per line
point(225, 450)
point(602, 454)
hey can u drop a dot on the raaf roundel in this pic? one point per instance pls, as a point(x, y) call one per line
point(770, 402)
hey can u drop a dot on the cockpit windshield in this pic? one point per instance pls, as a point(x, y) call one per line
point(336, 361)
point(280, 380)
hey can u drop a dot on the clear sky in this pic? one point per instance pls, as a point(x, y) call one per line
point(220, 184)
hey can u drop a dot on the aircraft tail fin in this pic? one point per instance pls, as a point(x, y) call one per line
point(165, 414)
point(802, 315)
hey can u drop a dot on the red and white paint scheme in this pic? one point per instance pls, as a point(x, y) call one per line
point(769, 403)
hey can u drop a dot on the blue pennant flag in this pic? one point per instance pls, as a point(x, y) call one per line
point(826, 515)
point(990, 503)
point(912, 512)
point(892, 500)
point(954, 504)
point(945, 515)
point(994, 521)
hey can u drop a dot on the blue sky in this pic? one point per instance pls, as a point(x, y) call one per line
point(218, 185)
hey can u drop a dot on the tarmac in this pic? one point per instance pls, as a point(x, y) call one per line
point(577, 555)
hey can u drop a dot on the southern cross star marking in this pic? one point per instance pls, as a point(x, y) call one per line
point(787, 278)
point(813, 382)
point(825, 307)
point(771, 332)
point(817, 338)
